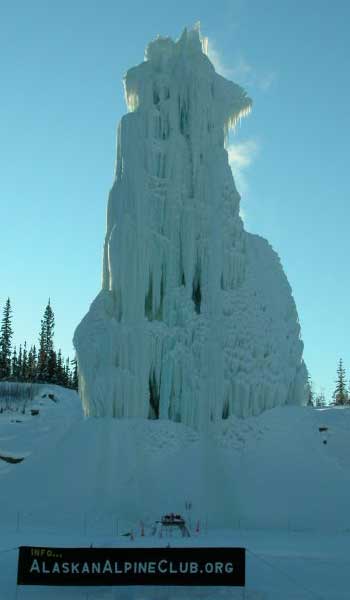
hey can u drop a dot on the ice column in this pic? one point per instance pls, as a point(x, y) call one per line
point(195, 320)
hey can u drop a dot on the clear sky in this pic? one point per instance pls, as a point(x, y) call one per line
point(62, 64)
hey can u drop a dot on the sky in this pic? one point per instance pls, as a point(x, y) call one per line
point(62, 64)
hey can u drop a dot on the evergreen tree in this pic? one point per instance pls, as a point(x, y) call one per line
point(340, 394)
point(52, 367)
point(19, 363)
point(49, 320)
point(311, 394)
point(66, 373)
point(41, 354)
point(24, 370)
point(5, 341)
point(35, 363)
point(14, 368)
point(32, 364)
point(46, 343)
point(75, 383)
point(320, 400)
point(59, 368)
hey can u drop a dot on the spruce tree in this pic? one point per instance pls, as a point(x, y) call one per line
point(320, 400)
point(19, 363)
point(52, 367)
point(59, 369)
point(66, 373)
point(75, 374)
point(35, 363)
point(49, 320)
point(340, 394)
point(24, 370)
point(311, 394)
point(41, 354)
point(32, 364)
point(5, 341)
point(46, 344)
point(14, 367)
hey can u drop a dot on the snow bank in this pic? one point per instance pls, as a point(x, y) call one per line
point(195, 321)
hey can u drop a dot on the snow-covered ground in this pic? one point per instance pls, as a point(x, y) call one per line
point(280, 566)
point(267, 483)
point(23, 434)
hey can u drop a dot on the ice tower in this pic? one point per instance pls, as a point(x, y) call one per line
point(195, 320)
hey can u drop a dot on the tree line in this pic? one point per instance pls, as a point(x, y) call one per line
point(39, 364)
point(340, 396)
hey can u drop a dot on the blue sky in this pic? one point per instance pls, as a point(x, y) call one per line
point(62, 65)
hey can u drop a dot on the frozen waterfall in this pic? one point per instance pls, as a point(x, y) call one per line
point(195, 320)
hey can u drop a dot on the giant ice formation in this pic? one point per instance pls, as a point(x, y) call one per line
point(195, 320)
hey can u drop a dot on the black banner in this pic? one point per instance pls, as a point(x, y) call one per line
point(131, 566)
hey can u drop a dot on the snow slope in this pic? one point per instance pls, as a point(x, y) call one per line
point(268, 471)
point(23, 434)
point(196, 320)
point(268, 483)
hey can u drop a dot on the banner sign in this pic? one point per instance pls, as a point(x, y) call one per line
point(131, 566)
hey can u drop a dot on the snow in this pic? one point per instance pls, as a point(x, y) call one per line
point(195, 328)
point(195, 320)
point(279, 565)
point(267, 483)
point(270, 471)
